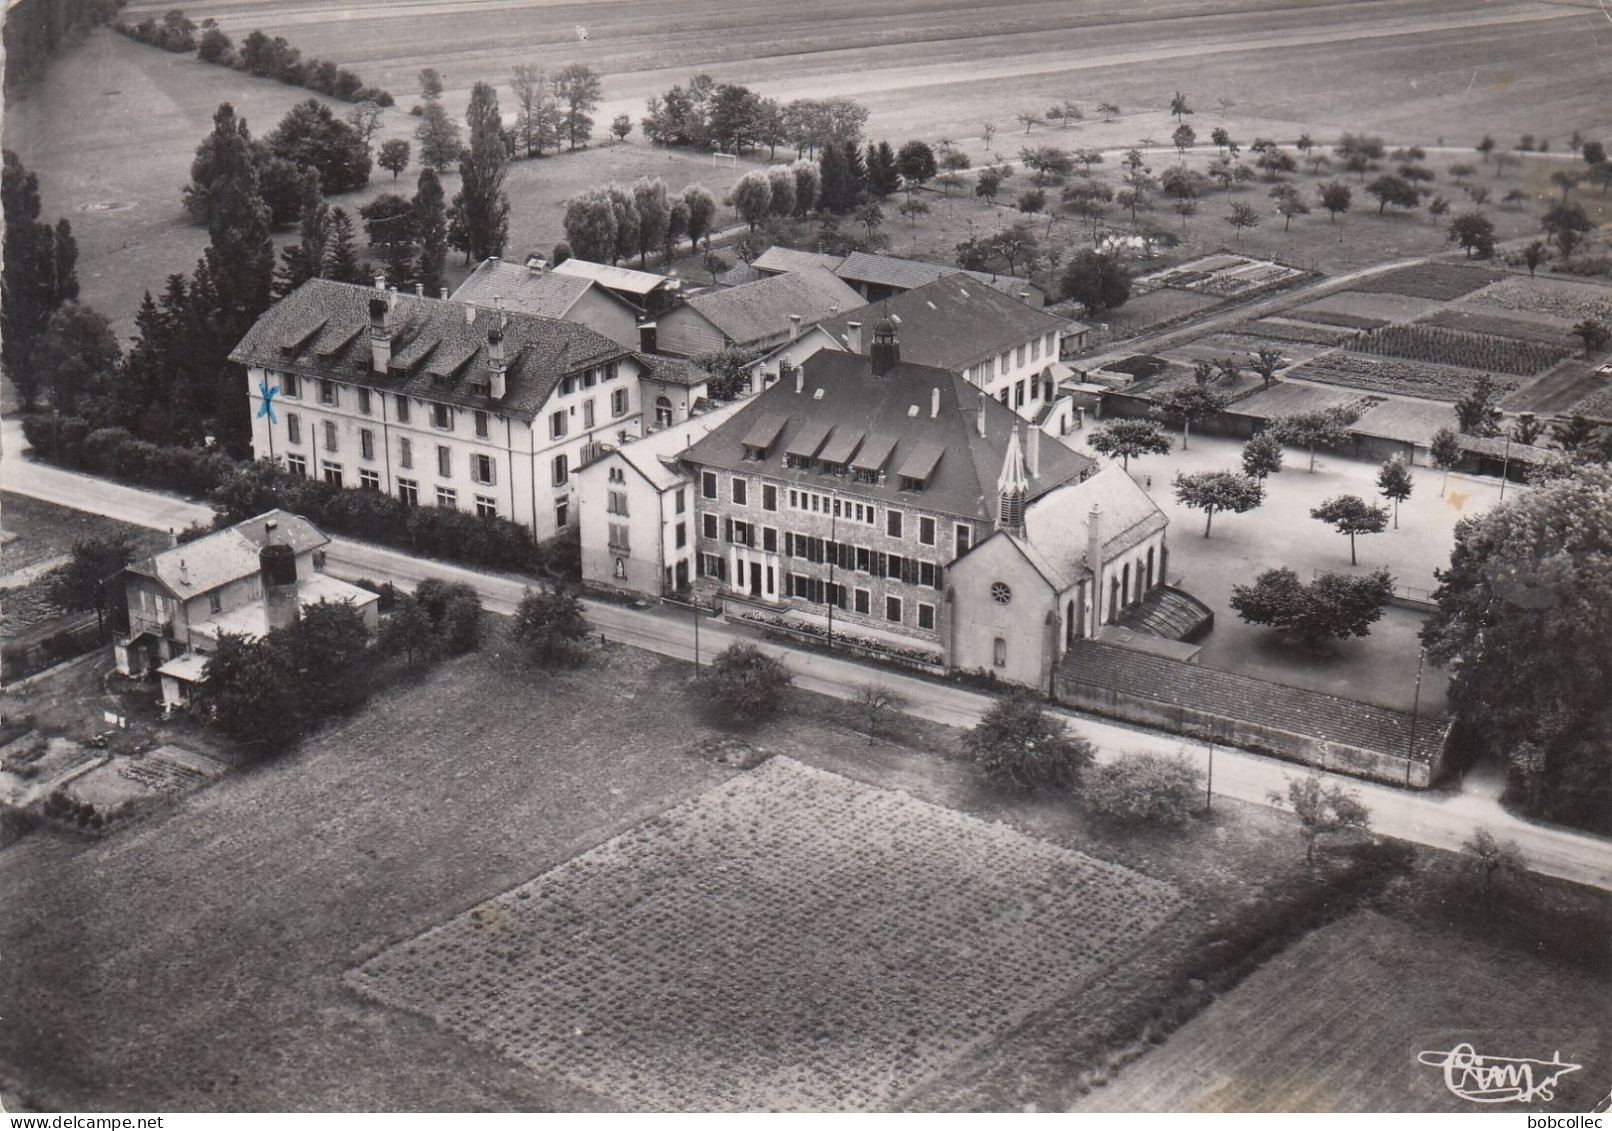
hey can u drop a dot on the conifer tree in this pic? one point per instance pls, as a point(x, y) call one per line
point(431, 226)
point(341, 250)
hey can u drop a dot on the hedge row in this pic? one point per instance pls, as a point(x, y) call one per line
point(241, 490)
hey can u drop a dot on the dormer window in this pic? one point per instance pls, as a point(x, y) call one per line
point(911, 483)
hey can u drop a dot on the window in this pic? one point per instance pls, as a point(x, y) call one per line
point(587, 413)
point(1049, 343)
point(618, 403)
point(616, 503)
point(405, 452)
point(363, 401)
point(562, 513)
point(1019, 357)
point(444, 461)
point(892, 609)
point(663, 410)
point(447, 497)
point(486, 507)
point(769, 539)
point(1018, 395)
point(483, 470)
point(926, 531)
point(863, 601)
point(1035, 349)
point(679, 505)
point(332, 473)
point(1004, 363)
point(215, 602)
point(402, 409)
point(409, 491)
point(290, 385)
point(708, 484)
point(481, 424)
point(999, 653)
point(680, 535)
point(965, 538)
point(741, 492)
point(708, 526)
point(616, 475)
point(369, 480)
point(330, 435)
point(1001, 593)
point(557, 424)
point(926, 617)
point(892, 523)
point(293, 428)
point(442, 417)
point(327, 393)
point(366, 443)
point(296, 465)
point(562, 470)
point(618, 538)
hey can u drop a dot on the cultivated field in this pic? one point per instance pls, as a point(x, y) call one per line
point(790, 940)
point(1336, 1024)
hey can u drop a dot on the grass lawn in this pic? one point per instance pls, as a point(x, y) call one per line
point(36, 531)
point(407, 816)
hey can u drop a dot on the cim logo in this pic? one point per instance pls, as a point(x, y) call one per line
point(1484, 1079)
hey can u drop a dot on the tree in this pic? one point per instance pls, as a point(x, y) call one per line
point(537, 115)
point(431, 229)
point(578, 90)
point(701, 211)
point(1474, 232)
point(1017, 744)
point(1190, 403)
point(1212, 491)
point(365, 119)
point(652, 202)
point(883, 176)
point(1184, 138)
point(1445, 453)
point(1351, 515)
point(1527, 429)
point(912, 208)
point(1533, 255)
point(1096, 280)
point(1336, 198)
point(1289, 204)
point(1144, 787)
point(252, 691)
point(1266, 361)
point(481, 206)
point(77, 356)
point(808, 185)
point(1242, 215)
point(916, 163)
point(311, 137)
point(1220, 137)
point(1032, 201)
point(1524, 613)
point(430, 84)
point(1391, 189)
point(1122, 439)
point(438, 136)
point(550, 627)
point(394, 156)
point(1334, 606)
point(836, 180)
point(1322, 810)
point(744, 686)
point(874, 704)
point(751, 197)
point(39, 275)
point(988, 183)
point(1485, 147)
point(1566, 224)
point(81, 583)
point(1594, 333)
point(1321, 428)
point(1594, 153)
point(1395, 481)
point(1178, 106)
point(621, 126)
point(408, 632)
point(1262, 456)
point(1486, 855)
point(1090, 198)
point(1477, 411)
point(590, 226)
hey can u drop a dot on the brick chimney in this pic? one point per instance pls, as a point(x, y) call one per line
point(1094, 559)
point(496, 362)
point(853, 336)
point(794, 327)
point(934, 403)
point(277, 565)
point(380, 326)
point(1032, 451)
point(980, 416)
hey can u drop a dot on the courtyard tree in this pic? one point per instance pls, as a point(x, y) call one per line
point(550, 627)
point(1318, 428)
point(1122, 439)
point(1394, 481)
point(1097, 280)
point(1262, 456)
point(1214, 491)
point(1190, 403)
point(1351, 515)
point(1017, 744)
point(394, 156)
point(743, 685)
point(1242, 215)
point(1524, 613)
point(1484, 854)
point(1445, 452)
point(1322, 810)
point(84, 582)
point(1475, 233)
point(1334, 606)
point(1144, 787)
point(1336, 197)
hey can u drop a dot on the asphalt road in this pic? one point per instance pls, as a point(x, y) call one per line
point(1441, 818)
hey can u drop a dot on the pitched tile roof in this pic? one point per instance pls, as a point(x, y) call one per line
point(654, 456)
point(1232, 695)
point(1055, 525)
point(613, 277)
point(754, 311)
point(779, 260)
point(894, 414)
point(952, 322)
point(228, 555)
point(322, 330)
point(739, 274)
point(526, 289)
point(1410, 421)
point(672, 370)
point(907, 274)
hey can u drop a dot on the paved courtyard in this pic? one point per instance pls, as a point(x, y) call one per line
point(1380, 668)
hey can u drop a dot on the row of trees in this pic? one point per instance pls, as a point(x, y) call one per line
point(35, 30)
point(39, 275)
point(731, 118)
point(612, 223)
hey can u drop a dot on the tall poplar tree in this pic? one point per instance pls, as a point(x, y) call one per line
point(481, 205)
point(431, 228)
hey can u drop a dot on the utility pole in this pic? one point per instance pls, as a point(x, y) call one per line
point(696, 597)
point(1416, 710)
point(1505, 467)
point(833, 540)
point(1209, 788)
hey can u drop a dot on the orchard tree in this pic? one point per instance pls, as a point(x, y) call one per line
point(1322, 810)
point(1289, 204)
point(1533, 255)
point(916, 163)
point(1336, 197)
point(1098, 281)
point(1178, 106)
point(1475, 233)
point(744, 686)
point(621, 126)
point(1395, 190)
point(1266, 361)
point(1017, 744)
point(1484, 854)
point(1566, 224)
point(1594, 333)
point(1242, 215)
point(1262, 456)
point(1394, 481)
point(1334, 606)
point(1212, 491)
point(1351, 515)
point(394, 156)
point(912, 208)
point(1184, 138)
point(1122, 439)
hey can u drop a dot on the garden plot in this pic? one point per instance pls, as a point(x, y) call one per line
point(1439, 281)
point(1458, 347)
point(1393, 375)
point(790, 939)
point(1282, 330)
point(1556, 297)
point(1537, 328)
point(1224, 276)
point(1378, 308)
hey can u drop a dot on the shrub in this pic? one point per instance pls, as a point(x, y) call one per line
point(455, 612)
point(550, 626)
point(1018, 744)
point(743, 685)
point(1144, 787)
